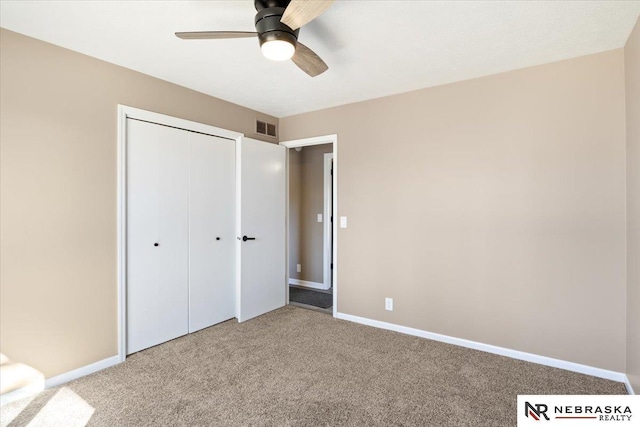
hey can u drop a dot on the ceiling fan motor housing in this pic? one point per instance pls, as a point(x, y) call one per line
point(269, 27)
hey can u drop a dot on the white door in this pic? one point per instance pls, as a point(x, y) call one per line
point(157, 234)
point(260, 227)
point(211, 230)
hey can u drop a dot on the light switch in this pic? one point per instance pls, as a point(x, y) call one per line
point(343, 222)
point(319, 217)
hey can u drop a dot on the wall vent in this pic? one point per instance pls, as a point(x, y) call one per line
point(264, 128)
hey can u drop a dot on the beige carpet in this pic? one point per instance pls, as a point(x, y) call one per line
point(302, 368)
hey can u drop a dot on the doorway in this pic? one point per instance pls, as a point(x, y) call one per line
point(311, 230)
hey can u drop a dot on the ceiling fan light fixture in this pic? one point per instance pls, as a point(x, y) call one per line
point(278, 50)
point(278, 25)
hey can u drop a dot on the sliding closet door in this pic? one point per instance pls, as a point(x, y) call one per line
point(211, 230)
point(157, 234)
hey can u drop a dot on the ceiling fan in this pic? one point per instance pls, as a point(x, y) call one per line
point(278, 23)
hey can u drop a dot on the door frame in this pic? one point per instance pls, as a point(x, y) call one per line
point(305, 142)
point(125, 112)
point(327, 231)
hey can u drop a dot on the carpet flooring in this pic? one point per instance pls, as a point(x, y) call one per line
point(309, 297)
point(296, 367)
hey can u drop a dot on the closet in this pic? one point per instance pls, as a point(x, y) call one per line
point(180, 202)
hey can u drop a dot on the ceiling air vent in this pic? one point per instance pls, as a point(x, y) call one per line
point(264, 128)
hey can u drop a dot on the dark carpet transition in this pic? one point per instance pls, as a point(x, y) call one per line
point(309, 297)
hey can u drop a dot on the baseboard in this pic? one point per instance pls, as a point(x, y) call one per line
point(627, 384)
point(81, 372)
point(514, 354)
point(307, 284)
point(22, 392)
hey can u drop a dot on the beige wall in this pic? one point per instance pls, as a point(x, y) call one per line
point(58, 195)
point(632, 80)
point(307, 167)
point(491, 209)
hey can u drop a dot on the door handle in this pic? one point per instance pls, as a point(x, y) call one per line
point(245, 238)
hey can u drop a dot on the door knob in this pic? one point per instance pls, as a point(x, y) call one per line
point(156, 244)
point(245, 238)
point(217, 238)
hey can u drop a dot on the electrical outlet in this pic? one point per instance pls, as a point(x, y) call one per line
point(299, 268)
point(388, 304)
point(319, 217)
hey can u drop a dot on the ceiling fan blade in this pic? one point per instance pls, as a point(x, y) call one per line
point(198, 35)
point(301, 12)
point(308, 61)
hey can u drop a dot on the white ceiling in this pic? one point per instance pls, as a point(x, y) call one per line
point(373, 48)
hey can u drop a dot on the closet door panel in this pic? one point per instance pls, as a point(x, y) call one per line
point(211, 230)
point(262, 181)
point(157, 234)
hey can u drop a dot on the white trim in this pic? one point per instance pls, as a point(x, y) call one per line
point(22, 392)
point(286, 227)
point(326, 226)
point(122, 231)
point(317, 140)
point(307, 284)
point(125, 112)
point(81, 372)
point(514, 354)
point(238, 229)
point(627, 384)
point(334, 276)
point(35, 387)
point(238, 218)
point(150, 116)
